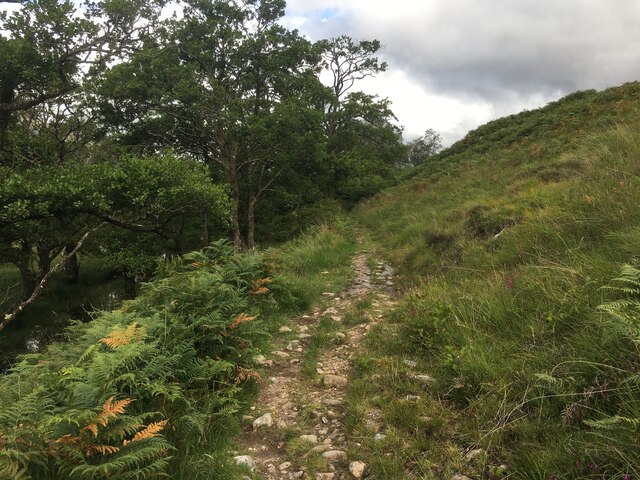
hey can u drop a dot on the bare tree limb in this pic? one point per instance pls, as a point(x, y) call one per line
point(9, 317)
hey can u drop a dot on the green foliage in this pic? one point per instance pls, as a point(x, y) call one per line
point(506, 240)
point(130, 393)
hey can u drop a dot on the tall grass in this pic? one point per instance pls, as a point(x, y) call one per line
point(504, 269)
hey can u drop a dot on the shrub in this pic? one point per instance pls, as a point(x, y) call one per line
point(131, 391)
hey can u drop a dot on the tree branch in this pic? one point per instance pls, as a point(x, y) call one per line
point(9, 317)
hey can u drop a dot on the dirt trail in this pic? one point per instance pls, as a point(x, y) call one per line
point(297, 430)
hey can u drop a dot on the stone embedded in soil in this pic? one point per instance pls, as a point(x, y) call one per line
point(334, 455)
point(379, 436)
point(284, 330)
point(263, 361)
point(357, 469)
point(425, 379)
point(473, 454)
point(284, 466)
point(245, 460)
point(265, 420)
point(325, 476)
point(332, 402)
point(334, 380)
point(340, 336)
point(330, 311)
point(313, 439)
point(319, 449)
point(281, 354)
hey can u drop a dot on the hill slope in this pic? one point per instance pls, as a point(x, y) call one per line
point(506, 241)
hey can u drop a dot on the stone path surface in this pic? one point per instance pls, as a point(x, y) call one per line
point(297, 427)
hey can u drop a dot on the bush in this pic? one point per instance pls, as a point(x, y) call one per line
point(129, 393)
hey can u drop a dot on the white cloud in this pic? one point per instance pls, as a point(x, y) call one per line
point(457, 63)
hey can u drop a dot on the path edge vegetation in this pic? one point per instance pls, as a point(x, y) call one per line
point(158, 386)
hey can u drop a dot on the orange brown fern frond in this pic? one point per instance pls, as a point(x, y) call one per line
point(101, 449)
point(152, 430)
point(242, 318)
point(244, 374)
point(259, 286)
point(120, 336)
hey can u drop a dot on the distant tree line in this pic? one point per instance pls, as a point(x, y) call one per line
point(131, 133)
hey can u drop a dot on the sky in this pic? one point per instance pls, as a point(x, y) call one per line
point(456, 64)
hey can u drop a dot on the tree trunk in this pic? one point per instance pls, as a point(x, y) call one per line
point(251, 223)
point(42, 282)
point(205, 230)
point(130, 287)
point(232, 176)
point(72, 268)
point(28, 279)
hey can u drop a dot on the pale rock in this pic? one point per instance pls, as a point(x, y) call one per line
point(425, 379)
point(330, 311)
point(357, 469)
point(303, 328)
point(263, 361)
point(410, 363)
point(281, 354)
point(473, 454)
point(281, 424)
point(335, 380)
point(340, 336)
point(284, 466)
point(328, 294)
point(319, 449)
point(379, 436)
point(299, 474)
point(336, 318)
point(294, 361)
point(412, 398)
point(302, 336)
point(271, 469)
point(332, 402)
point(312, 439)
point(284, 330)
point(325, 476)
point(334, 455)
point(265, 420)
point(245, 460)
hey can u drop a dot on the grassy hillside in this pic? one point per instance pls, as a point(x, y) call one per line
point(506, 242)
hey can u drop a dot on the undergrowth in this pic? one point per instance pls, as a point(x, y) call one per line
point(156, 387)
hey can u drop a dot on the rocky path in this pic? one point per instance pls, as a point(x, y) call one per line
point(297, 428)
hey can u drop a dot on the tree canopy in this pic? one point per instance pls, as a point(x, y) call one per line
point(129, 134)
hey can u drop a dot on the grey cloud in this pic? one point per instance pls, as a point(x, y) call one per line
point(501, 50)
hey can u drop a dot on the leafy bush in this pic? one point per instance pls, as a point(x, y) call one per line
point(128, 394)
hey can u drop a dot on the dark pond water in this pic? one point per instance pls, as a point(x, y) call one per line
point(45, 322)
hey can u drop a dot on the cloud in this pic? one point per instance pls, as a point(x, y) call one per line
point(499, 56)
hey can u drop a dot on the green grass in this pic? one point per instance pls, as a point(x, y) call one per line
point(504, 248)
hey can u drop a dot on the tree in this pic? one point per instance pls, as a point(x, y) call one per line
point(48, 208)
point(215, 86)
point(423, 148)
point(50, 48)
point(363, 143)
